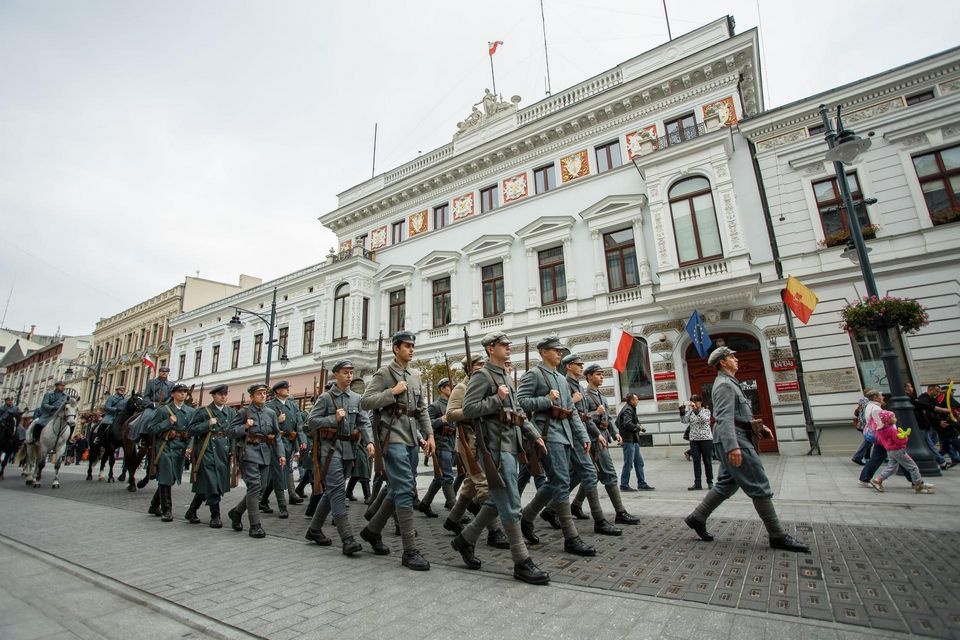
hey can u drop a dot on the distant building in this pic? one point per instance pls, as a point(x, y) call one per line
point(39, 369)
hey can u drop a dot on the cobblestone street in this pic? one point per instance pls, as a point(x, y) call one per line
point(657, 580)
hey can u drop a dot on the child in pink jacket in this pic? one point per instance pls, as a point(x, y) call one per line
point(894, 440)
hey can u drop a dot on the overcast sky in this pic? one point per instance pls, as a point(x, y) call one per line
point(141, 142)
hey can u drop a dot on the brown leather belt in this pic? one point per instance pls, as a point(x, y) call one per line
point(176, 435)
point(560, 413)
point(511, 418)
point(290, 435)
point(256, 438)
point(398, 409)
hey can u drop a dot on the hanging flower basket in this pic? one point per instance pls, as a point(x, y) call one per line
point(840, 237)
point(876, 314)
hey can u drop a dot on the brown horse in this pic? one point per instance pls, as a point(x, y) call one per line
point(110, 438)
point(134, 451)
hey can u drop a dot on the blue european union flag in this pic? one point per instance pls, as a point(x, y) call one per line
point(698, 334)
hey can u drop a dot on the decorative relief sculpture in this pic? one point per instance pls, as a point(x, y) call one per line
point(417, 223)
point(378, 237)
point(462, 206)
point(723, 108)
point(515, 188)
point(574, 166)
point(492, 105)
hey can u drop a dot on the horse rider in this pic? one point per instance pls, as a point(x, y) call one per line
point(212, 447)
point(169, 424)
point(10, 413)
point(52, 401)
point(111, 409)
point(158, 392)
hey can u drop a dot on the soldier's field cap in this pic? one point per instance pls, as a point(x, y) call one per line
point(342, 364)
point(592, 369)
point(719, 354)
point(571, 358)
point(444, 382)
point(404, 336)
point(550, 342)
point(476, 357)
point(220, 388)
point(179, 387)
point(121, 386)
point(252, 389)
point(497, 337)
point(59, 382)
point(163, 370)
point(283, 384)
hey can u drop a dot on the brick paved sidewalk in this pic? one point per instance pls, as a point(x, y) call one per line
point(895, 582)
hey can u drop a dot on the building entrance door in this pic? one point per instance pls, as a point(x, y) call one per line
point(751, 375)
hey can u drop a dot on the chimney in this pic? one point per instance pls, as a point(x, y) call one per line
point(33, 328)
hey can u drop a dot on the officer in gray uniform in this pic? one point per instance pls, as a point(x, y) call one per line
point(111, 408)
point(211, 447)
point(397, 394)
point(337, 424)
point(545, 396)
point(599, 413)
point(491, 404)
point(169, 425)
point(294, 441)
point(740, 466)
point(446, 437)
point(256, 425)
point(573, 365)
point(157, 392)
point(52, 401)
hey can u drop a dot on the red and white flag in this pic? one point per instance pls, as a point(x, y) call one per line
point(493, 46)
point(148, 361)
point(619, 350)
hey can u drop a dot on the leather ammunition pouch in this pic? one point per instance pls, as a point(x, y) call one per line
point(256, 438)
point(290, 435)
point(327, 433)
point(353, 437)
point(400, 409)
point(511, 418)
point(604, 425)
point(560, 413)
point(448, 431)
point(173, 434)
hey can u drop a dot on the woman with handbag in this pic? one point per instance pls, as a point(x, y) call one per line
point(697, 418)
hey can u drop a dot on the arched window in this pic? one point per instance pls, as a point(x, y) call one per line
point(341, 311)
point(694, 221)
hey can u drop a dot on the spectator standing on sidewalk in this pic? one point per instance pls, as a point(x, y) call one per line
point(629, 426)
point(870, 421)
point(928, 419)
point(697, 418)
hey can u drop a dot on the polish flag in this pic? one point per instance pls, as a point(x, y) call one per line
point(148, 361)
point(619, 350)
point(493, 46)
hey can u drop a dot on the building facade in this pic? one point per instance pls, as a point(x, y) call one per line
point(121, 342)
point(911, 115)
point(34, 374)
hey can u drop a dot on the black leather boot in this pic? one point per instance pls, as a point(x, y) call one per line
point(550, 516)
point(166, 504)
point(578, 547)
point(526, 527)
point(318, 537)
point(530, 573)
point(604, 528)
point(215, 521)
point(498, 539)
point(375, 540)
point(413, 560)
point(466, 552)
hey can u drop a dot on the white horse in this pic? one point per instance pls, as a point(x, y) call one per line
point(53, 438)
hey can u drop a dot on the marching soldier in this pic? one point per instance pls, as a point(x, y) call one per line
point(397, 394)
point(545, 396)
point(740, 466)
point(305, 465)
point(169, 424)
point(257, 440)
point(294, 441)
point(337, 424)
point(598, 413)
point(491, 401)
point(474, 490)
point(211, 445)
point(111, 408)
point(52, 401)
point(157, 392)
point(446, 437)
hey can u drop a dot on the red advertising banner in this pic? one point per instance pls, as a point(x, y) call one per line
point(665, 375)
point(790, 385)
point(667, 395)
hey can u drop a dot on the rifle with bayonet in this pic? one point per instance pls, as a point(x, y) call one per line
point(237, 452)
point(378, 465)
point(317, 484)
point(494, 479)
point(531, 454)
point(473, 467)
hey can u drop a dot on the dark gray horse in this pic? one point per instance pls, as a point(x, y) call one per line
point(9, 441)
point(110, 438)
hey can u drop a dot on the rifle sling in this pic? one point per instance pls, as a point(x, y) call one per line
point(203, 449)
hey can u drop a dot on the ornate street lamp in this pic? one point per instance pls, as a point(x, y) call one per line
point(845, 146)
point(271, 322)
point(96, 378)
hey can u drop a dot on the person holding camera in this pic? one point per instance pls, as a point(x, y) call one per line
point(697, 418)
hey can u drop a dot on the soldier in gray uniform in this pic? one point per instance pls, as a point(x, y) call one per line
point(111, 408)
point(294, 441)
point(599, 413)
point(52, 401)
point(491, 403)
point(545, 396)
point(337, 424)
point(256, 425)
point(397, 394)
point(573, 364)
point(169, 425)
point(212, 447)
point(446, 437)
point(740, 466)
point(157, 393)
